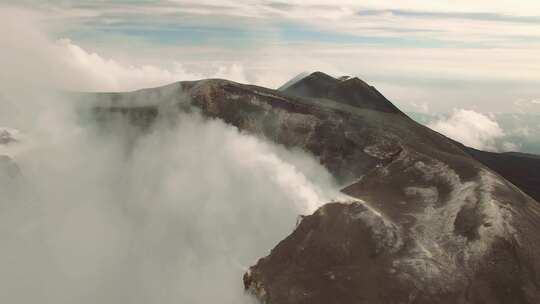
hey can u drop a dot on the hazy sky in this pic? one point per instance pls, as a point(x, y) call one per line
point(425, 55)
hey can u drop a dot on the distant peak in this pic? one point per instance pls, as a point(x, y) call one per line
point(318, 78)
point(324, 76)
point(319, 74)
point(345, 89)
point(294, 80)
point(355, 82)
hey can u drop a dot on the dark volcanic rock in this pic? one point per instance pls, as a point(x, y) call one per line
point(352, 91)
point(333, 256)
point(424, 234)
point(348, 140)
point(523, 170)
point(432, 224)
point(348, 253)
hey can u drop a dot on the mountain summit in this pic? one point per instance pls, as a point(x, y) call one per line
point(426, 222)
point(348, 90)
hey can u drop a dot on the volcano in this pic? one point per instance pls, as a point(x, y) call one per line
point(427, 220)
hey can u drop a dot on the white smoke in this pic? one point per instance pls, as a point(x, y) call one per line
point(175, 214)
point(175, 217)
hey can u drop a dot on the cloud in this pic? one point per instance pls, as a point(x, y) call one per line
point(122, 46)
point(421, 107)
point(97, 215)
point(117, 216)
point(260, 7)
point(485, 23)
point(471, 128)
point(31, 58)
point(183, 211)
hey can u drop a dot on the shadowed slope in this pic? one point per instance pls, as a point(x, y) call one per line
point(523, 170)
point(351, 91)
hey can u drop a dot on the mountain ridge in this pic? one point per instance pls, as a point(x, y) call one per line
point(437, 225)
point(349, 90)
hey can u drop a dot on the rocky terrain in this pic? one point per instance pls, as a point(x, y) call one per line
point(426, 221)
point(521, 169)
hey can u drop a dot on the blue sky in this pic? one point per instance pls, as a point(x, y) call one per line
point(424, 55)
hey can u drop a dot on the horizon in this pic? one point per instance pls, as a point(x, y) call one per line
point(444, 63)
point(428, 58)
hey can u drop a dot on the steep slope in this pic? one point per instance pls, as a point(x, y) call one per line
point(337, 133)
point(347, 90)
point(520, 169)
point(428, 223)
point(523, 170)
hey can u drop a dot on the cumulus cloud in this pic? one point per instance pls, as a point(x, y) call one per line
point(30, 58)
point(471, 128)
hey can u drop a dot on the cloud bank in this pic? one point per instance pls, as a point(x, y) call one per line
point(471, 128)
point(33, 59)
point(443, 54)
